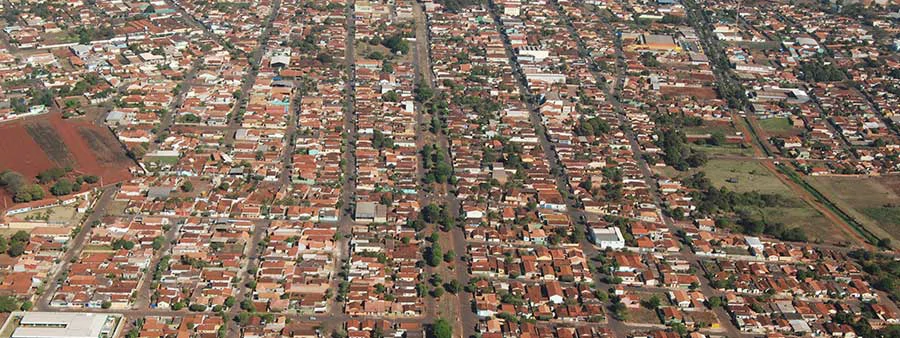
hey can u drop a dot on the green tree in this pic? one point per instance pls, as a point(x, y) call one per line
point(12, 181)
point(158, 242)
point(652, 303)
point(50, 175)
point(441, 329)
point(8, 304)
point(16, 249)
point(452, 287)
point(434, 255)
point(62, 187)
point(716, 138)
point(449, 256)
point(437, 292)
point(390, 96)
point(20, 236)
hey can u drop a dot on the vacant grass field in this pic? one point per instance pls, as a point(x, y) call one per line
point(805, 217)
point(748, 176)
point(61, 214)
point(704, 318)
point(872, 201)
point(736, 175)
point(767, 45)
point(723, 150)
point(97, 248)
point(7, 232)
point(709, 129)
point(116, 208)
point(743, 176)
point(776, 125)
point(162, 160)
point(642, 315)
point(884, 214)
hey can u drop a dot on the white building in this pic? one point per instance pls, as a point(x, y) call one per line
point(534, 53)
point(62, 325)
point(755, 244)
point(610, 237)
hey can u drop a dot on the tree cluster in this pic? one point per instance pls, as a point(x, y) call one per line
point(883, 270)
point(713, 200)
point(19, 188)
point(122, 244)
point(397, 44)
point(818, 71)
point(755, 226)
point(437, 167)
point(441, 329)
point(15, 245)
point(380, 141)
point(454, 6)
point(591, 127)
point(677, 153)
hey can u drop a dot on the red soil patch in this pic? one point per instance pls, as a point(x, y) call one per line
point(95, 148)
point(703, 93)
point(19, 152)
point(37, 144)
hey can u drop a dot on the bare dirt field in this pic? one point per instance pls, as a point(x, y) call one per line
point(43, 133)
point(703, 93)
point(19, 152)
point(36, 144)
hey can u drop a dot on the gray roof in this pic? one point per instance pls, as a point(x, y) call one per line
point(365, 210)
point(159, 192)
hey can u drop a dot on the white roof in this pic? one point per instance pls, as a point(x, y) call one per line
point(753, 241)
point(799, 326)
point(609, 234)
point(60, 325)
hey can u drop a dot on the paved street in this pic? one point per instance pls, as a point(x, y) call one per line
point(76, 245)
point(603, 169)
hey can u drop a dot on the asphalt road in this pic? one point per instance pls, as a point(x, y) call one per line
point(466, 320)
point(142, 300)
point(76, 245)
point(250, 78)
point(575, 214)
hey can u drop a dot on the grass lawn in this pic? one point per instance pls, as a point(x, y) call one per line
point(872, 201)
point(723, 150)
point(98, 248)
point(162, 160)
point(744, 176)
point(776, 125)
point(60, 214)
point(709, 129)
